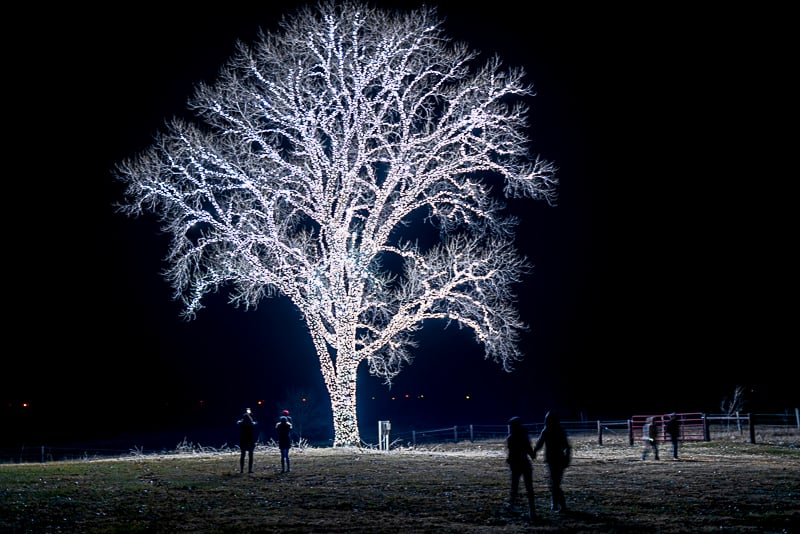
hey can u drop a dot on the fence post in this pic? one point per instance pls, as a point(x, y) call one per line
point(797, 417)
point(630, 432)
point(752, 428)
point(383, 434)
point(706, 430)
point(599, 433)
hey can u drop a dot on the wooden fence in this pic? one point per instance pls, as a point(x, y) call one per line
point(695, 426)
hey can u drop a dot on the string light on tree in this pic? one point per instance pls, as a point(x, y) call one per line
point(319, 145)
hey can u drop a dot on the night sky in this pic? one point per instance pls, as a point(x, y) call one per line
point(664, 277)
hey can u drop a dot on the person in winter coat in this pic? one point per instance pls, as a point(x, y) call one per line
point(284, 428)
point(650, 437)
point(520, 454)
point(673, 428)
point(247, 439)
point(558, 453)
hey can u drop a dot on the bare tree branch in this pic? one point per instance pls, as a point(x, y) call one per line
point(316, 147)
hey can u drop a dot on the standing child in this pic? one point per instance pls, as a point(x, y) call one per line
point(284, 428)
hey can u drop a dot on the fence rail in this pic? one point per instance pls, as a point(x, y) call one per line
point(695, 426)
point(715, 426)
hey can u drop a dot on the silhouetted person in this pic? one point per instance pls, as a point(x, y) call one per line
point(284, 427)
point(557, 455)
point(247, 439)
point(673, 428)
point(520, 454)
point(650, 437)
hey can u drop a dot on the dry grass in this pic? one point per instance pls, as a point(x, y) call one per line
point(721, 486)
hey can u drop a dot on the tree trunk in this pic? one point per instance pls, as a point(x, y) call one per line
point(343, 403)
point(340, 381)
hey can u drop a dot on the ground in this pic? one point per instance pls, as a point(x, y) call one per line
point(720, 486)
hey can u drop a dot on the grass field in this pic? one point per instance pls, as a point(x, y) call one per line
point(720, 486)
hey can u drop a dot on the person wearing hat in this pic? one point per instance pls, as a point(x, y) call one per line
point(520, 454)
point(247, 439)
point(284, 428)
point(285, 413)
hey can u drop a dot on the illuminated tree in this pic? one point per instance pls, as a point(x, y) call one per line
point(319, 145)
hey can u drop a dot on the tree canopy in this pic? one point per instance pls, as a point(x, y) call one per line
point(314, 150)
